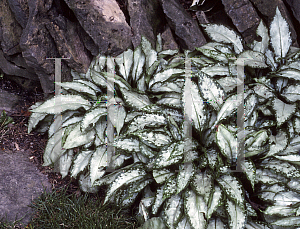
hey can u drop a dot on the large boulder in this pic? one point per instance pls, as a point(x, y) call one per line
point(8, 101)
point(295, 6)
point(184, 26)
point(243, 16)
point(145, 18)
point(104, 22)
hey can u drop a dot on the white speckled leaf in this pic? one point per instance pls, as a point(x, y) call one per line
point(61, 103)
point(280, 35)
point(262, 31)
point(124, 61)
point(195, 209)
point(220, 33)
point(81, 161)
point(237, 216)
point(98, 162)
point(232, 187)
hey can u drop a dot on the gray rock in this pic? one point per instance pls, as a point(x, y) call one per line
point(8, 101)
point(295, 6)
point(243, 16)
point(69, 44)
point(268, 9)
point(12, 69)
point(144, 20)
point(10, 30)
point(105, 23)
point(20, 10)
point(20, 183)
point(37, 45)
point(184, 27)
point(168, 41)
point(87, 41)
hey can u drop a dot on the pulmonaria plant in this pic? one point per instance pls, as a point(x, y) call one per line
point(179, 182)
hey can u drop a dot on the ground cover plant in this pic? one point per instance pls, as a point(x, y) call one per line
point(180, 182)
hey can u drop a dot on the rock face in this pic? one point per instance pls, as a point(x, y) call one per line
point(8, 101)
point(104, 22)
point(145, 18)
point(243, 16)
point(20, 183)
point(295, 6)
point(183, 25)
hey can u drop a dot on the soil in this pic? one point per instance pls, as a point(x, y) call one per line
point(15, 138)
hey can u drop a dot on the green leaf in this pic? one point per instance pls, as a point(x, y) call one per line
point(211, 91)
point(79, 87)
point(186, 171)
point(282, 110)
point(117, 114)
point(237, 215)
point(282, 168)
point(35, 118)
point(166, 87)
point(139, 122)
point(250, 171)
point(227, 143)
point(215, 223)
point(280, 210)
point(228, 108)
point(86, 185)
point(171, 100)
point(135, 99)
point(128, 144)
point(281, 142)
point(173, 210)
point(184, 224)
point(124, 61)
point(170, 187)
point(293, 159)
point(288, 221)
point(53, 149)
point(195, 209)
point(132, 175)
point(173, 153)
point(81, 161)
point(262, 31)
point(98, 162)
point(214, 201)
point(65, 162)
point(161, 175)
point(252, 59)
point(61, 103)
point(232, 187)
point(268, 177)
point(138, 63)
point(202, 184)
point(216, 69)
point(220, 33)
point(159, 46)
point(77, 138)
point(164, 75)
point(194, 105)
point(280, 35)
point(91, 117)
point(155, 222)
point(151, 54)
point(291, 93)
point(154, 139)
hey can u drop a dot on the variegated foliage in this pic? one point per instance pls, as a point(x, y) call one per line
point(187, 182)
